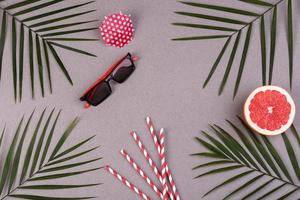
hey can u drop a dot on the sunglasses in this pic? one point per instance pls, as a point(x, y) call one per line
point(101, 89)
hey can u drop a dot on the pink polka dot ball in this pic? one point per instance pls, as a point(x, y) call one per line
point(117, 30)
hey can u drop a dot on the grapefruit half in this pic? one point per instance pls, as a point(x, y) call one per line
point(269, 110)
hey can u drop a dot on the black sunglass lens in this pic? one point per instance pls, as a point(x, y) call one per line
point(123, 73)
point(99, 94)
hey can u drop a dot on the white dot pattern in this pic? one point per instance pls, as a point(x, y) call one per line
point(117, 30)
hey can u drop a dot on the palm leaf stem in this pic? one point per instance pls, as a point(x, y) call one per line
point(39, 37)
point(25, 25)
point(9, 193)
point(270, 175)
point(258, 17)
point(15, 18)
point(266, 174)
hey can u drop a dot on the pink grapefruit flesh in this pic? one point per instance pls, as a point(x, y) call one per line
point(269, 110)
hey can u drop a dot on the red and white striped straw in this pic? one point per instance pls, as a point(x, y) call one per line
point(163, 164)
point(141, 173)
point(149, 160)
point(158, 147)
point(127, 183)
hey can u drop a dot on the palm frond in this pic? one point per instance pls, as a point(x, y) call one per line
point(236, 27)
point(39, 29)
point(259, 159)
point(1, 137)
point(257, 2)
point(41, 164)
point(273, 43)
point(290, 40)
point(263, 51)
point(295, 133)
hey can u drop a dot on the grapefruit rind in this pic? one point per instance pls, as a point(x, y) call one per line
point(258, 129)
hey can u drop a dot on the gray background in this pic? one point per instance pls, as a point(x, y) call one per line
point(167, 85)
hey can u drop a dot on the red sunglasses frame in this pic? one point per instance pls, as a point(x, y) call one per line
point(106, 75)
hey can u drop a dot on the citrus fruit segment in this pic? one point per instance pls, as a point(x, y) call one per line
point(269, 110)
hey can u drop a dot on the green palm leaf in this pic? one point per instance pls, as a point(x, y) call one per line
point(47, 64)
point(230, 180)
point(72, 49)
point(263, 51)
point(27, 15)
point(68, 158)
point(233, 24)
point(40, 64)
point(257, 2)
point(230, 62)
point(35, 197)
point(273, 43)
point(55, 187)
point(295, 133)
point(272, 191)
point(216, 28)
point(48, 141)
point(263, 151)
point(277, 158)
point(220, 8)
point(72, 39)
point(212, 163)
point(249, 145)
point(243, 60)
point(290, 40)
point(39, 145)
point(223, 149)
point(213, 18)
point(37, 7)
point(9, 159)
point(51, 28)
point(68, 166)
point(21, 55)
point(234, 146)
point(35, 167)
point(64, 137)
point(60, 63)
point(209, 37)
point(219, 170)
point(253, 153)
point(292, 155)
point(53, 12)
point(260, 187)
point(251, 181)
point(14, 55)
point(15, 163)
point(2, 135)
point(208, 155)
point(2, 39)
point(73, 148)
point(31, 63)
point(215, 65)
point(21, 4)
point(288, 194)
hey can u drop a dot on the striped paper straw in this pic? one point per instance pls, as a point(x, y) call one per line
point(149, 159)
point(163, 164)
point(127, 183)
point(141, 173)
point(158, 147)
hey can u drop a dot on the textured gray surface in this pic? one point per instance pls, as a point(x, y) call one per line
point(166, 86)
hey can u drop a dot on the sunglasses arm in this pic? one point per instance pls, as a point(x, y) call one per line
point(135, 58)
point(87, 105)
